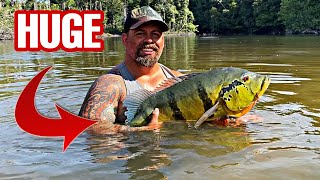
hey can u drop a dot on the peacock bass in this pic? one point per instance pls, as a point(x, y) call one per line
point(218, 94)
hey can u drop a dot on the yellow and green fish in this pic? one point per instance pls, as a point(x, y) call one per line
point(218, 94)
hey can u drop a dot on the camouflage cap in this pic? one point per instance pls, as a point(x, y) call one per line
point(139, 16)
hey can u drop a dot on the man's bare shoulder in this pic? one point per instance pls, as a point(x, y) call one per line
point(108, 83)
point(110, 79)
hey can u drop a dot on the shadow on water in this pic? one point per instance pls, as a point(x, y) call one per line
point(146, 154)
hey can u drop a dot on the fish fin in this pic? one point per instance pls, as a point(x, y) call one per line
point(188, 76)
point(133, 101)
point(172, 81)
point(206, 115)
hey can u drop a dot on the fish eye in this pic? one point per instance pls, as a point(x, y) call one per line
point(245, 78)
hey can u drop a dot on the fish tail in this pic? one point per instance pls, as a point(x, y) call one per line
point(142, 118)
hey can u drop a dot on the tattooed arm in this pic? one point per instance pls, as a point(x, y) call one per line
point(104, 104)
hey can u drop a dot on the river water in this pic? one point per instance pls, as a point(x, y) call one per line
point(281, 142)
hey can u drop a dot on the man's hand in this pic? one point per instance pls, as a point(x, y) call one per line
point(106, 127)
point(154, 123)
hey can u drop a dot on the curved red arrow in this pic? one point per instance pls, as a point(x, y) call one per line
point(28, 118)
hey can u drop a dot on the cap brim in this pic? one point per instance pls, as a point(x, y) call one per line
point(163, 25)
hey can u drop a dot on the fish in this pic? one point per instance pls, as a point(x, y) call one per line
point(215, 95)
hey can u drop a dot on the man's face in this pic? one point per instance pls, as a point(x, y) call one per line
point(144, 44)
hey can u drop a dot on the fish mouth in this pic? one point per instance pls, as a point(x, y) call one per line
point(264, 85)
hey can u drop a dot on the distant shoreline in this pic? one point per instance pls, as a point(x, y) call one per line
point(6, 36)
point(106, 35)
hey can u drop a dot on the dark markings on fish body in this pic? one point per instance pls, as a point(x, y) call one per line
point(207, 102)
point(177, 114)
point(231, 86)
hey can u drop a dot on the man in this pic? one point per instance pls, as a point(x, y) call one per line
point(143, 39)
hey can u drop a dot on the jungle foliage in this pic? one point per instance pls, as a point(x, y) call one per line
point(200, 16)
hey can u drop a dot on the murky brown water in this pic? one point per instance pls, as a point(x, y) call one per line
point(284, 143)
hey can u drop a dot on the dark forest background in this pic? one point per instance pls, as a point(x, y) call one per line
point(217, 17)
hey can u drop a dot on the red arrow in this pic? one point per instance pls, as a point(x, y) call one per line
point(28, 118)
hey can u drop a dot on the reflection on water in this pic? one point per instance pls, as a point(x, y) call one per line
point(284, 137)
point(146, 153)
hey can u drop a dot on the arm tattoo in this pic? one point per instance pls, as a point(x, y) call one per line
point(102, 99)
point(108, 113)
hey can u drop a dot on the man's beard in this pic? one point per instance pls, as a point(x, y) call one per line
point(148, 61)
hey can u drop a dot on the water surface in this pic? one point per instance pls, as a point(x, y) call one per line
point(282, 142)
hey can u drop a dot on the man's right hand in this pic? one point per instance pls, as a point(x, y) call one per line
point(154, 124)
point(106, 127)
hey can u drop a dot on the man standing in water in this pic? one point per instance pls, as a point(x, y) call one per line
point(143, 39)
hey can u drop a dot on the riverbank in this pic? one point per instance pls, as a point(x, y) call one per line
point(107, 35)
point(6, 33)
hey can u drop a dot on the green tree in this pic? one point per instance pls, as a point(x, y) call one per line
point(300, 15)
point(266, 14)
point(6, 23)
point(206, 14)
point(114, 15)
point(224, 16)
point(185, 18)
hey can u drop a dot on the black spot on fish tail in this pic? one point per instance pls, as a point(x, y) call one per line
point(177, 114)
point(207, 102)
point(231, 86)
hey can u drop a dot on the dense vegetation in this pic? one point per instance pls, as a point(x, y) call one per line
point(256, 16)
point(200, 16)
